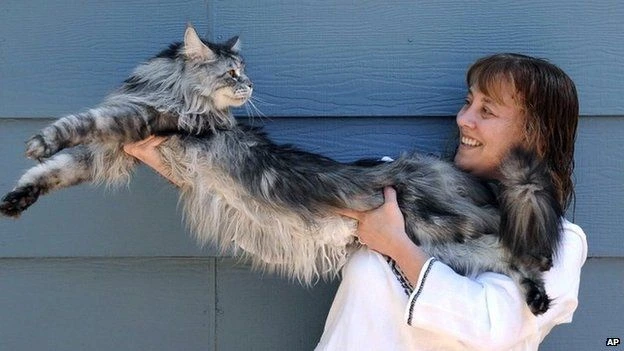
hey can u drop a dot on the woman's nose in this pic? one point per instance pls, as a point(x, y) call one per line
point(466, 117)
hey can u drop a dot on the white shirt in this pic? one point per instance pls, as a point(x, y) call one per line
point(447, 311)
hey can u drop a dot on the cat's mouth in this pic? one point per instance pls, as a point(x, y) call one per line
point(241, 95)
point(238, 100)
point(225, 97)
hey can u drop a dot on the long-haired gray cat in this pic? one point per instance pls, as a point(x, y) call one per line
point(276, 204)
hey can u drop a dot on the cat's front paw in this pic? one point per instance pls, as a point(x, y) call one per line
point(15, 202)
point(37, 148)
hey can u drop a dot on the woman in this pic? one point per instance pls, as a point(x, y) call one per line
point(512, 100)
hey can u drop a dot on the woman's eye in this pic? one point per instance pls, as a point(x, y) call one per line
point(487, 113)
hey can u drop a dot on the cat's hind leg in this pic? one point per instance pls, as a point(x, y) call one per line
point(61, 171)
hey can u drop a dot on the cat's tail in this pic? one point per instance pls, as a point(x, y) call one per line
point(530, 214)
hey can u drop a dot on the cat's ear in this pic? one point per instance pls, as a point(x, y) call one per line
point(234, 44)
point(194, 47)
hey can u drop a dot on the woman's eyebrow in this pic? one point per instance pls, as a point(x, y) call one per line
point(489, 100)
point(492, 101)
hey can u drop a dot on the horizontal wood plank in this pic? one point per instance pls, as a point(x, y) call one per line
point(107, 304)
point(600, 310)
point(599, 181)
point(59, 57)
point(403, 58)
point(266, 312)
point(316, 59)
point(140, 220)
point(191, 304)
point(143, 220)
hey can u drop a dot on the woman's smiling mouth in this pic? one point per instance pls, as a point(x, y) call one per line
point(470, 142)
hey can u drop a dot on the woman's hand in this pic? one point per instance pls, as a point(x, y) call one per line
point(383, 230)
point(146, 151)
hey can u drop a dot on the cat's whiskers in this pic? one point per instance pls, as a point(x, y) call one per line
point(256, 98)
point(253, 108)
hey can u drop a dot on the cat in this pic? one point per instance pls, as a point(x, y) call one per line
point(276, 204)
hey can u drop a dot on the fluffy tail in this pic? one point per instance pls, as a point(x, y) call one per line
point(530, 213)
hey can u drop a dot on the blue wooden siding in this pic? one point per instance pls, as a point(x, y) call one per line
point(103, 304)
point(88, 268)
point(143, 219)
point(331, 58)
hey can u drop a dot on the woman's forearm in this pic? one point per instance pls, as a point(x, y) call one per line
point(410, 258)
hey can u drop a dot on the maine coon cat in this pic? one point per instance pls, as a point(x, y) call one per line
point(276, 204)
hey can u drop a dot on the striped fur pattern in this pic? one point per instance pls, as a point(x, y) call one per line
point(188, 87)
point(275, 204)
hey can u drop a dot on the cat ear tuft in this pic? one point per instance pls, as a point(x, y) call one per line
point(194, 47)
point(234, 44)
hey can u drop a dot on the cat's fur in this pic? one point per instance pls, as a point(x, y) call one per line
point(277, 204)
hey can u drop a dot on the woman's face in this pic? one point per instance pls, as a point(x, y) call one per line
point(487, 130)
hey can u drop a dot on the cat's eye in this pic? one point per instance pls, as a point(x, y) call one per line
point(233, 73)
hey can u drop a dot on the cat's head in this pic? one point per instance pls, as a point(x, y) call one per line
point(216, 71)
point(193, 79)
point(207, 77)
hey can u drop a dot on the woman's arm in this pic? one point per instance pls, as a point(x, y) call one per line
point(383, 230)
point(487, 312)
point(146, 151)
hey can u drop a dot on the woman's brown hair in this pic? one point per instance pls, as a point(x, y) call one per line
point(549, 99)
